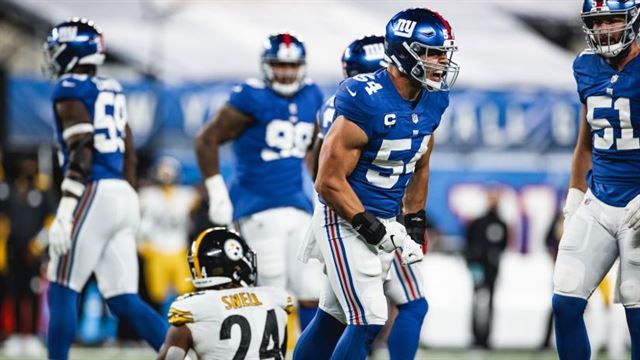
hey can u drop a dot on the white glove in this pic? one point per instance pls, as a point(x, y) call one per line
point(60, 231)
point(395, 237)
point(411, 252)
point(632, 214)
point(574, 198)
point(220, 208)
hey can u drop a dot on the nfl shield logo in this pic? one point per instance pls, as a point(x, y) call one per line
point(414, 118)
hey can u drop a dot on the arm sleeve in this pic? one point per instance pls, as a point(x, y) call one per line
point(178, 315)
point(353, 103)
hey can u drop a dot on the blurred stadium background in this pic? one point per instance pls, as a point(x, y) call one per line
point(512, 124)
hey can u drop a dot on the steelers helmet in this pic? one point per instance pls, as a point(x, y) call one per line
point(220, 256)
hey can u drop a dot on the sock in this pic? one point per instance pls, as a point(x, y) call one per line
point(145, 321)
point(63, 318)
point(355, 342)
point(633, 321)
point(319, 338)
point(572, 340)
point(306, 314)
point(404, 338)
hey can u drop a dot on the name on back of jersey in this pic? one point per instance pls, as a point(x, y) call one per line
point(240, 300)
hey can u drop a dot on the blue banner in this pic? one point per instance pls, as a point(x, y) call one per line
point(165, 118)
point(532, 120)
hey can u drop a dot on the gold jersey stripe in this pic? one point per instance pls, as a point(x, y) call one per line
point(180, 320)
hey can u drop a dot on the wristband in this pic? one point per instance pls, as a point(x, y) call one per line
point(66, 207)
point(416, 225)
point(215, 186)
point(72, 186)
point(368, 225)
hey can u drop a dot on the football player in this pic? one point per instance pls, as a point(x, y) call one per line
point(271, 122)
point(602, 210)
point(98, 214)
point(227, 318)
point(403, 288)
point(165, 222)
point(373, 163)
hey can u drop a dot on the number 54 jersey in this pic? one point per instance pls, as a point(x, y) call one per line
point(269, 153)
point(612, 99)
point(398, 131)
point(240, 323)
point(106, 106)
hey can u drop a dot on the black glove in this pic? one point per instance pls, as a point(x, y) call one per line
point(368, 225)
point(416, 225)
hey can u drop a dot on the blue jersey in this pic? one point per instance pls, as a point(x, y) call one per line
point(398, 131)
point(106, 106)
point(613, 112)
point(269, 153)
point(325, 116)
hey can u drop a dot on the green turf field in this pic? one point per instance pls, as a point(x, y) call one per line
point(439, 354)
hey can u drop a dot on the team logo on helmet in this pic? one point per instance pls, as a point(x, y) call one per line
point(404, 28)
point(233, 249)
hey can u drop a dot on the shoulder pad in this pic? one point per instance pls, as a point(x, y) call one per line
point(71, 80)
point(586, 52)
point(279, 297)
point(308, 81)
point(188, 295)
point(74, 77)
point(255, 83)
point(108, 84)
point(179, 317)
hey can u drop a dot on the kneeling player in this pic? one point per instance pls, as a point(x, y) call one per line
point(228, 318)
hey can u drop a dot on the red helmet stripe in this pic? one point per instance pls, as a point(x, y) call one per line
point(445, 22)
point(599, 3)
point(287, 39)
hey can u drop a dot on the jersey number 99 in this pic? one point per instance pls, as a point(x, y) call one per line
point(289, 140)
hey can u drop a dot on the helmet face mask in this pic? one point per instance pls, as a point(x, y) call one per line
point(220, 256)
point(420, 43)
point(284, 78)
point(611, 30)
point(434, 69)
point(284, 63)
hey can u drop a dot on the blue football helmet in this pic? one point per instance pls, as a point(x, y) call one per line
point(412, 35)
point(282, 49)
point(604, 41)
point(364, 55)
point(74, 42)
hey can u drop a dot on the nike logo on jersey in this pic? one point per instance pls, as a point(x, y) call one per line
point(352, 93)
point(66, 83)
